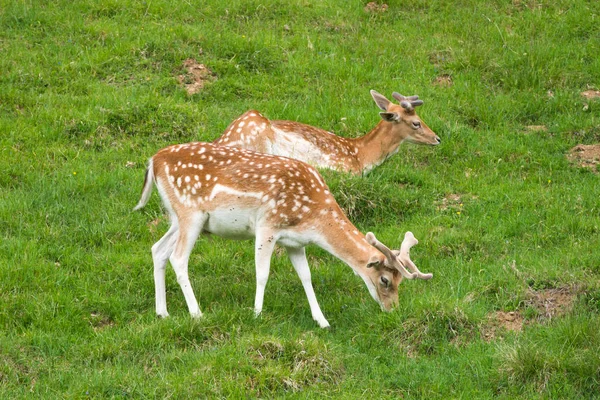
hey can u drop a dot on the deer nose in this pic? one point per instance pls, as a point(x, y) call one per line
point(437, 138)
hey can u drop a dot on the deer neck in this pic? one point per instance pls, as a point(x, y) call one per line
point(347, 243)
point(377, 145)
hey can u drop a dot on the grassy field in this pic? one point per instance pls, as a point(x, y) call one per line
point(89, 90)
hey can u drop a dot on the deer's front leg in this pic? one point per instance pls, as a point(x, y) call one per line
point(263, 249)
point(298, 259)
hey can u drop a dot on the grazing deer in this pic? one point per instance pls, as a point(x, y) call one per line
point(324, 149)
point(240, 194)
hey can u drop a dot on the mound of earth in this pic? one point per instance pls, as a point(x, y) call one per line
point(195, 77)
point(585, 155)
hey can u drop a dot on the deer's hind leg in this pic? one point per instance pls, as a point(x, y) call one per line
point(189, 230)
point(263, 249)
point(161, 251)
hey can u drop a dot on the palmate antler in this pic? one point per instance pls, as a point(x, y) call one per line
point(408, 103)
point(400, 259)
point(392, 259)
point(404, 256)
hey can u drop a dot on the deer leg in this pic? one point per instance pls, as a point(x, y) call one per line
point(298, 259)
point(188, 233)
point(161, 251)
point(263, 249)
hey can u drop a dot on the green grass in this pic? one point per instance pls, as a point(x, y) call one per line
point(89, 91)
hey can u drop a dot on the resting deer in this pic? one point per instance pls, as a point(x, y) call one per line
point(323, 149)
point(240, 194)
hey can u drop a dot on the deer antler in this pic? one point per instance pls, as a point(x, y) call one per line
point(404, 256)
point(389, 254)
point(408, 102)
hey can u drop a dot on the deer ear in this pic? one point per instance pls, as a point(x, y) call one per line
point(380, 100)
point(374, 262)
point(389, 116)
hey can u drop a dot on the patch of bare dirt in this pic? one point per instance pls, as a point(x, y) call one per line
point(537, 128)
point(502, 320)
point(591, 94)
point(196, 76)
point(373, 7)
point(553, 302)
point(550, 303)
point(511, 321)
point(443, 81)
point(99, 321)
point(453, 201)
point(527, 4)
point(585, 155)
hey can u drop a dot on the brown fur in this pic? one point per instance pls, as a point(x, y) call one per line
point(277, 199)
point(253, 131)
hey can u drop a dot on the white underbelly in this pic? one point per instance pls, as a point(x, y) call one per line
point(295, 240)
point(236, 224)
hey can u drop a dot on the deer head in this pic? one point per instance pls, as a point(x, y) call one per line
point(404, 119)
point(389, 273)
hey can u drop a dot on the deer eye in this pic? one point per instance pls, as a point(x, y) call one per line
point(416, 124)
point(384, 281)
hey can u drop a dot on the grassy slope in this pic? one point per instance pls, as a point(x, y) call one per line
point(89, 87)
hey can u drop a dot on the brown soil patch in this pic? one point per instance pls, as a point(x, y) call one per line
point(99, 321)
point(591, 94)
point(453, 201)
point(529, 4)
point(585, 155)
point(450, 201)
point(537, 128)
point(552, 302)
point(549, 303)
point(502, 320)
point(373, 7)
point(443, 81)
point(195, 77)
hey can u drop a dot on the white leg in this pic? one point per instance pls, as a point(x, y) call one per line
point(298, 259)
point(188, 233)
point(263, 249)
point(161, 251)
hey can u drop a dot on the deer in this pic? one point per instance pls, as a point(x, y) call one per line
point(241, 194)
point(322, 149)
